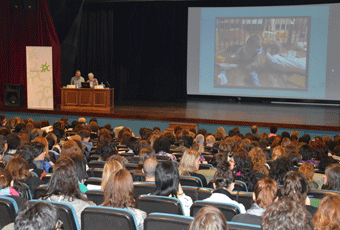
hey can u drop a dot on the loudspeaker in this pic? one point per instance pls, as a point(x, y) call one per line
point(13, 95)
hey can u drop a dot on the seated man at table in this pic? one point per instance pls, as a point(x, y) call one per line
point(77, 79)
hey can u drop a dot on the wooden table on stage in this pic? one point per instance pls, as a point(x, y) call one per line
point(87, 99)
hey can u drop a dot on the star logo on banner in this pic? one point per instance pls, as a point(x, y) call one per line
point(44, 67)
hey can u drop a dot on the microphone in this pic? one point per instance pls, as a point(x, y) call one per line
point(107, 84)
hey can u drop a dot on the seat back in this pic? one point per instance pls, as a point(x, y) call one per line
point(94, 181)
point(165, 221)
point(240, 186)
point(8, 210)
point(28, 191)
point(242, 226)
point(97, 164)
point(67, 214)
point(320, 193)
point(153, 203)
point(197, 193)
point(190, 181)
point(100, 218)
point(46, 178)
point(97, 196)
point(228, 210)
point(95, 172)
point(130, 166)
point(41, 189)
point(245, 198)
point(143, 188)
point(205, 166)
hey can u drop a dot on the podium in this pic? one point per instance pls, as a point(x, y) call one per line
point(87, 99)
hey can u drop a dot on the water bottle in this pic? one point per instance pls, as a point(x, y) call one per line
point(77, 86)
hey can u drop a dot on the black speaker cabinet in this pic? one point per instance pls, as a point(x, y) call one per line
point(13, 95)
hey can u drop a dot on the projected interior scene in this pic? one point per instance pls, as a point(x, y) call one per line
point(266, 53)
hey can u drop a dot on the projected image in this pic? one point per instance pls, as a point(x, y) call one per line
point(262, 53)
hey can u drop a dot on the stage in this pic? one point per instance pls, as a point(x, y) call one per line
point(217, 112)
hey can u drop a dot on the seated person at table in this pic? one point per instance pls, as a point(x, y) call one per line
point(77, 79)
point(93, 81)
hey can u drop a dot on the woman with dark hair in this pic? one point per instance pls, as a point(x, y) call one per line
point(106, 150)
point(295, 187)
point(80, 168)
point(224, 185)
point(119, 193)
point(64, 187)
point(217, 158)
point(162, 147)
point(208, 218)
point(332, 177)
point(18, 168)
point(279, 168)
point(243, 170)
point(328, 215)
point(167, 184)
point(265, 193)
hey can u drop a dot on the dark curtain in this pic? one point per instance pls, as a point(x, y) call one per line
point(138, 47)
point(26, 28)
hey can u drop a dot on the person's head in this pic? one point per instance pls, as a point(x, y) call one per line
point(39, 151)
point(218, 158)
point(199, 139)
point(2, 120)
point(265, 192)
point(52, 140)
point(308, 170)
point(37, 215)
point(5, 178)
point(91, 76)
point(210, 140)
point(119, 191)
point(43, 141)
point(306, 152)
point(145, 154)
point(223, 178)
point(13, 141)
point(106, 150)
point(328, 215)
point(166, 179)
point(149, 168)
point(286, 214)
point(18, 168)
point(64, 180)
point(295, 186)
point(278, 152)
point(257, 156)
point(332, 177)
point(209, 218)
point(253, 44)
point(77, 73)
point(79, 165)
point(279, 168)
point(254, 129)
point(28, 152)
point(273, 129)
point(161, 144)
point(69, 147)
point(109, 168)
point(189, 162)
point(122, 160)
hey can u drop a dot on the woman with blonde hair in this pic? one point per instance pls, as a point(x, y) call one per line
point(308, 170)
point(278, 152)
point(189, 165)
point(328, 215)
point(109, 168)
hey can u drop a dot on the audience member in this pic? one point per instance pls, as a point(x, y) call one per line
point(328, 215)
point(149, 169)
point(308, 170)
point(209, 218)
point(119, 193)
point(286, 214)
point(332, 177)
point(167, 184)
point(110, 167)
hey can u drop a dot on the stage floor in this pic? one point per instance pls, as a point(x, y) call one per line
point(295, 116)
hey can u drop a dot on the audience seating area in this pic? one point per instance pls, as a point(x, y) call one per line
point(163, 212)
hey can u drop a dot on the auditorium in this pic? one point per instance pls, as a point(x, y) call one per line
point(169, 114)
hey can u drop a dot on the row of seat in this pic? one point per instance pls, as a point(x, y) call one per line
point(97, 217)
